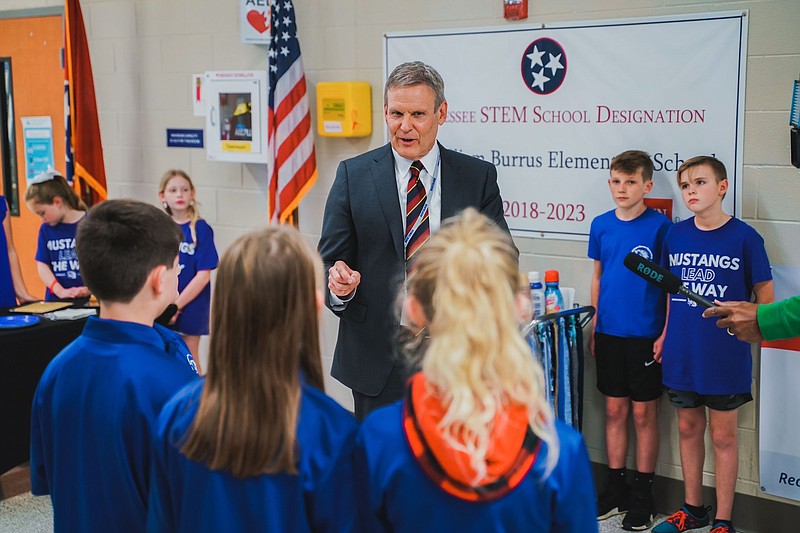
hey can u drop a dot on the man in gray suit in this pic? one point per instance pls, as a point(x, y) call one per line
point(370, 228)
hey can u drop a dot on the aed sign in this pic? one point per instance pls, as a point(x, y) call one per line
point(255, 20)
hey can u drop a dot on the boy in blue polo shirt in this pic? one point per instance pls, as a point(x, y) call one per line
point(629, 321)
point(95, 406)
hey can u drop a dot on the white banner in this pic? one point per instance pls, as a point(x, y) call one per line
point(779, 412)
point(551, 105)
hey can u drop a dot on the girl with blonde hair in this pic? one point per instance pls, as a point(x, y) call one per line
point(51, 197)
point(257, 445)
point(473, 446)
point(197, 258)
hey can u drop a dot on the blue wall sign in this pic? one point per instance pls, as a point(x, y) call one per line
point(182, 138)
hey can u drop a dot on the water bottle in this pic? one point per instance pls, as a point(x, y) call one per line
point(537, 293)
point(553, 300)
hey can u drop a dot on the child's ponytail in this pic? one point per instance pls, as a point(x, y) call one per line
point(45, 187)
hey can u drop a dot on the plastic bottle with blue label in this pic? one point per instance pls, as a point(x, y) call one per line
point(553, 300)
point(537, 293)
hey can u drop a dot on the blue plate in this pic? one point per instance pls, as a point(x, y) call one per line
point(18, 321)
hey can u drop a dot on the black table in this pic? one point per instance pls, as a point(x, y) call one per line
point(24, 354)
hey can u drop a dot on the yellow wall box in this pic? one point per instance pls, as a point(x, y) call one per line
point(343, 109)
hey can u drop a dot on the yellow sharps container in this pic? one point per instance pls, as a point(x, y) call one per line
point(343, 109)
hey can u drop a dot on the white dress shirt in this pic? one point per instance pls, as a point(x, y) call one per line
point(433, 168)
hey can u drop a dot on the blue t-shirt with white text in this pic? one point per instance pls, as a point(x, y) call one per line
point(57, 250)
point(196, 255)
point(722, 264)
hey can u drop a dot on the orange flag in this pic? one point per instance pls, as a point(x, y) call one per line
point(84, 148)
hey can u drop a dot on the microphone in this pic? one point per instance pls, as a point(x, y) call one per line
point(662, 277)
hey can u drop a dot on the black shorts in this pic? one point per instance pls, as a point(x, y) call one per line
point(626, 369)
point(719, 402)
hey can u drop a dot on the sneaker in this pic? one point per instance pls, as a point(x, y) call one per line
point(614, 500)
point(683, 520)
point(641, 514)
point(722, 527)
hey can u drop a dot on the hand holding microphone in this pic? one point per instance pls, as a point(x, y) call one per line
point(662, 277)
point(739, 318)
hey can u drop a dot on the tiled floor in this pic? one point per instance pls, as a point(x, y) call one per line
point(614, 525)
point(31, 514)
point(26, 514)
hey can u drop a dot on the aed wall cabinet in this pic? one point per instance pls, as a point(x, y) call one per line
point(343, 109)
point(236, 116)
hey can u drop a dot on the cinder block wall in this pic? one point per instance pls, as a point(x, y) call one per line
point(145, 51)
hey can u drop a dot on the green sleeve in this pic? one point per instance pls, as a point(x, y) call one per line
point(780, 320)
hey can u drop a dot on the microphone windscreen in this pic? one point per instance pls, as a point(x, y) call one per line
point(652, 272)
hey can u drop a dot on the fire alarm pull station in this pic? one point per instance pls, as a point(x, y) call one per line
point(515, 9)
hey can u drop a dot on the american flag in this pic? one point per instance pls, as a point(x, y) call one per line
point(291, 161)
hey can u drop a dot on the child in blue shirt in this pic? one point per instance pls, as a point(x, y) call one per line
point(61, 209)
point(629, 319)
point(12, 285)
point(198, 257)
point(256, 445)
point(473, 446)
point(720, 258)
point(97, 401)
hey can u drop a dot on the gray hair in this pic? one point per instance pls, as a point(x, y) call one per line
point(416, 73)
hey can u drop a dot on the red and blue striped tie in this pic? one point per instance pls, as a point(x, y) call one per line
point(416, 199)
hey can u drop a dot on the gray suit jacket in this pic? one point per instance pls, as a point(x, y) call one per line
point(363, 226)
